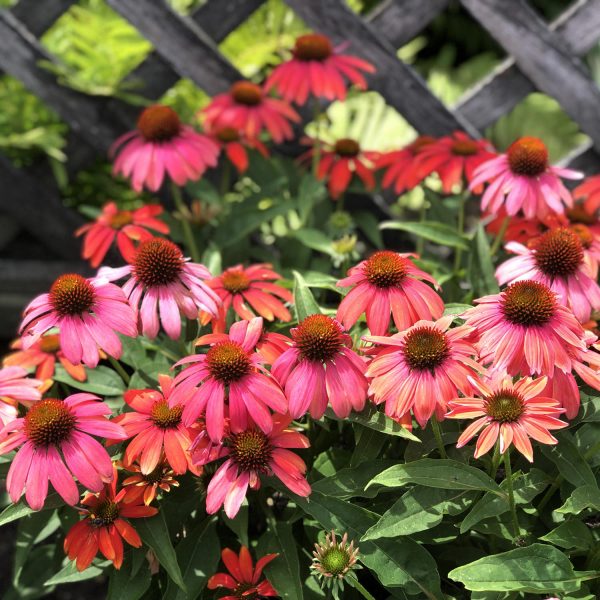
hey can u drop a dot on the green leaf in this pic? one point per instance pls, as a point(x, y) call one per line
point(101, 380)
point(304, 301)
point(570, 462)
point(70, 574)
point(374, 419)
point(154, 533)
point(587, 496)
point(417, 510)
point(570, 534)
point(198, 556)
point(283, 572)
point(315, 239)
point(348, 483)
point(538, 568)
point(367, 222)
point(310, 192)
point(429, 230)
point(445, 474)
point(126, 585)
point(481, 268)
point(19, 510)
point(454, 308)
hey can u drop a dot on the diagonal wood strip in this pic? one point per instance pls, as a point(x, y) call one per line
point(37, 20)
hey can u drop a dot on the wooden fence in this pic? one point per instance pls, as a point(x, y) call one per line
point(541, 56)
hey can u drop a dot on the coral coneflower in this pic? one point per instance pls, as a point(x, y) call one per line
point(234, 143)
point(247, 108)
point(164, 283)
point(403, 168)
point(243, 579)
point(104, 526)
point(252, 288)
point(522, 179)
point(43, 355)
point(230, 371)
point(15, 387)
point(338, 162)
point(87, 313)
point(555, 259)
point(332, 560)
point(422, 368)
point(454, 158)
point(126, 226)
point(156, 428)
point(162, 144)
point(251, 453)
point(52, 428)
point(510, 412)
point(146, 486)
point(318, 69)
point(321, 368)
point(388, 282)
point(589, 191)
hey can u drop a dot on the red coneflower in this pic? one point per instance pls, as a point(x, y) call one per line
point(126, 226)
point(589, 191)
point(234, 143)
point(146, 486)
point(319, 69)
point(247, 108)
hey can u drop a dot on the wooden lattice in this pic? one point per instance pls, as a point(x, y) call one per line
point(542, 57)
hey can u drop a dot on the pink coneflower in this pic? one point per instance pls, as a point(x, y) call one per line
point(126, 226)
point(164, 283)
point(251, 453)
point(243, 577)
point(272, 345)
point(388, 282)
point(589, 191)
point(510, 412)
point(53, 427)
point(403, 168)
point(16, 387)
point(454, 158)
point(321, 367)
point(556, 260)
point(231, 370)
point(247, 108)
point(422, 368)
point(523, 180)
point(162, 144)
point(340, 161)
point(43, 355)
point(87, 313)
point(252, 288)
point(317, 69)
point(155, 428)
point(524, 330)
point(234, 144)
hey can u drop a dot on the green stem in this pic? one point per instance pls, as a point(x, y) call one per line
point(317, 145)
point(549, 493)
point(511, 493)
point(339, 206)
point(422, 216)
point(437, 432)
point(500, 236)
point(187, 228)
point(119, 369)
point(225, 176)
point(353, 581)
point(460, 230)
point(495, 461)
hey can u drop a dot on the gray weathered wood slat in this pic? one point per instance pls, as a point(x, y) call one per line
point(36, 19)
point(181, 42)
point(397, 82)
point(399, 21)
point(539, 53)
point(584, 158)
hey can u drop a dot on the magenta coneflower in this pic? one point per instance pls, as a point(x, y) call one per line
point(251, 453)
point(16, 386)
point(247, 108)
point(252, 288)
point(523, 180)
point(164, 283)
point(162, 144)
point(231, 370)
point(388, 282)
point(156, 428)
point(87, 313)
point(321, 367)
point(422, 368)
point(53, 427)
point(555, 259)
point(510, 412)
point(317, 69)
